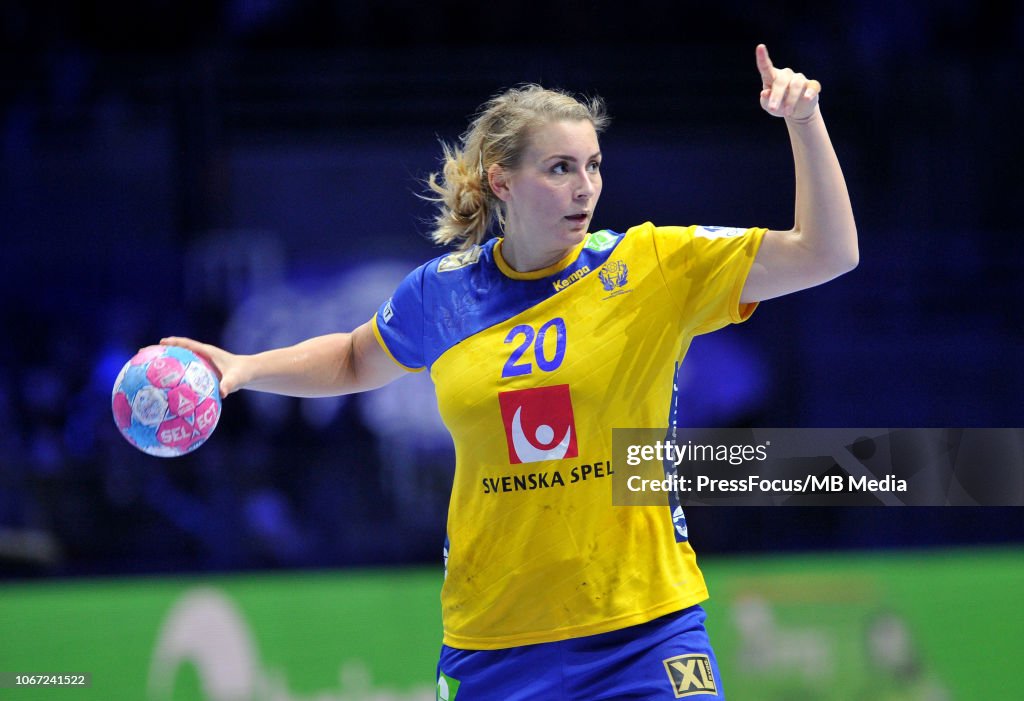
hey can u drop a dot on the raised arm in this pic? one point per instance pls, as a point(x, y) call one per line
point(339, 363)
point(823, 241)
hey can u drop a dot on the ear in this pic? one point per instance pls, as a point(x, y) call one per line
point(497, 179)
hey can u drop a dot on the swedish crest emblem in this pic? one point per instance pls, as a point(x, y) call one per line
point(613, 275)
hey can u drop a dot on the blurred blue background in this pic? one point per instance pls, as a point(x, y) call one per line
point(247, 173)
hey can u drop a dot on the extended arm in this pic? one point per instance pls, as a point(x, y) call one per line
point(340, 363)
point(823, 241)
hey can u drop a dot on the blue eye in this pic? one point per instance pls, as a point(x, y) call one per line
point(594, 166)
point(560, 168)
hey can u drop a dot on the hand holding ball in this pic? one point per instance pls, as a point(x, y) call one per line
point(166, 401)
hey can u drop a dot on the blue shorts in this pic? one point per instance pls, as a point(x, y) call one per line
point(667, 658)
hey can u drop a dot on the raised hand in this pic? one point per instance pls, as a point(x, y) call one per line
point(785, 93)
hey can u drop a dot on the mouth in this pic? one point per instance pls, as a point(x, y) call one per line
point(578, 218)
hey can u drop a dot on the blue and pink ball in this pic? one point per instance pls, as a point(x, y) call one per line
point(166, 401)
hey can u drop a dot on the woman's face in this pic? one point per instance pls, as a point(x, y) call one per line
point(550, 197)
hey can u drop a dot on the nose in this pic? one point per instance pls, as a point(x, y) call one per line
point(586, 188)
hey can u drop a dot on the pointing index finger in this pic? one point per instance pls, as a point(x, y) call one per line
point(764, 65)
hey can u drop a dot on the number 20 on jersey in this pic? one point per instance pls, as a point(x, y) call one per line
point(531, 349)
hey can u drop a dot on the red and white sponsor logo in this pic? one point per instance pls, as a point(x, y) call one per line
point(539, 424)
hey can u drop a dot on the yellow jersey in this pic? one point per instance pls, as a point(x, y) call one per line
point(532, 372)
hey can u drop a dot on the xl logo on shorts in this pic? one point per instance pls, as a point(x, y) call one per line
point(539, 424)
point(690, 675)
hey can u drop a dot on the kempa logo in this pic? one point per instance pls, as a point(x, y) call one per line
point(690, 675)
point(566, 281)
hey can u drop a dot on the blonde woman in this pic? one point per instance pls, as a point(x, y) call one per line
point(539, 341)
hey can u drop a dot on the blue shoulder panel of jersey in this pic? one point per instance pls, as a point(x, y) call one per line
point(453, 297)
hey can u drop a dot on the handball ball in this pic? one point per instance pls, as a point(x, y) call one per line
point(166, 401)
